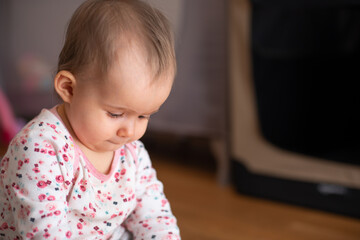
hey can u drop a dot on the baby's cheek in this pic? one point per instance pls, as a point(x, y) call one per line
point(105, 126)
point(140, 131)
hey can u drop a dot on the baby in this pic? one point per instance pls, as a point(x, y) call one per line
point(78, 171)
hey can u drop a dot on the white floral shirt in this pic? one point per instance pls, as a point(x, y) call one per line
point(49, 190)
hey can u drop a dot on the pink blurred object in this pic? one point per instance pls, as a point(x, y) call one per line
point(9, 126)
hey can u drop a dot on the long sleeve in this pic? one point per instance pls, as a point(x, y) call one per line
point(49, 190)
point(35, 179)
point(152, 217)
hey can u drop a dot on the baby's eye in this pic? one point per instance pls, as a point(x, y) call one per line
point(144, 117)
point(115, 115)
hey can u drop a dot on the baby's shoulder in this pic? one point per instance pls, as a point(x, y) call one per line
point(43, 147)
point(44, 134)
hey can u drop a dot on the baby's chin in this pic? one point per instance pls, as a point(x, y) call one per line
point(107, 146)
point(111, 146)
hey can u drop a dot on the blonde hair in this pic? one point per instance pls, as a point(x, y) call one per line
point(98, 26)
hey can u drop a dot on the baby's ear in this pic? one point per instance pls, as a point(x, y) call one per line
point(64, 83)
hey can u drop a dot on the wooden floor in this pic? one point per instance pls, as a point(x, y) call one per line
point(206, 211)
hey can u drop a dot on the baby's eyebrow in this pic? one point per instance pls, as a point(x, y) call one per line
point(124, 108)
point(115, 107)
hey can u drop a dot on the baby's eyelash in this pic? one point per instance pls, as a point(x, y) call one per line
point(114, 115)
point(144, 116)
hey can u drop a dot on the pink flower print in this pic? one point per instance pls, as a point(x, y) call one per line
point(14, 185)
point(46, 235)
point(41, 184)
point(117, 175)
point(51, 198)
point(65, 157)
point(23, 141)
point(91, 206)
point(59, 178)
point(68, 234)
point(48, 145)
point(26, 160)
point(4, 226)
point(79, 226)
point(42, 197)
point(163, 202)
point(57, 213)
point(65, 148)
point(53, 126)
point(24, 192)
point(52, 153)
point(29, 235)
point(44, 151)
point(83, 188)
point(20, 163)
point(122, 152)
point(123, 171)
point(36, 170)
point(50, 207)
point(83, 182)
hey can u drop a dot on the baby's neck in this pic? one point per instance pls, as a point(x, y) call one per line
point(101, 161)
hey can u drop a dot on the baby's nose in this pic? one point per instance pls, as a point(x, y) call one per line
point(127, 129)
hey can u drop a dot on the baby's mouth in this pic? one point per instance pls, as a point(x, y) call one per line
point(115, 142)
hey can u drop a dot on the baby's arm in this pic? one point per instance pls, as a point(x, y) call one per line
point(35, 180)
point(152, 217)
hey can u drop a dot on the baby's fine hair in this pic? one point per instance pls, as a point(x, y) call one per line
point(98, 28)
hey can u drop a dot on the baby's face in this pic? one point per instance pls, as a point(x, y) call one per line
point(104, 116)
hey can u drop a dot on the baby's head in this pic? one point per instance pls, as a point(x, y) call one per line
point(116, 68)
point(99, 29)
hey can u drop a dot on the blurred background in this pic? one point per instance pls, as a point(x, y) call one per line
point(259, 138)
